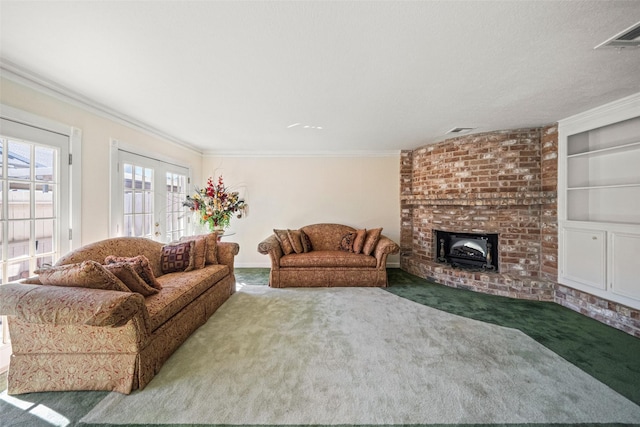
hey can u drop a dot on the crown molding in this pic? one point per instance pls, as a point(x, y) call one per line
point(18, 74)
point(621, 109)
point(380, 153)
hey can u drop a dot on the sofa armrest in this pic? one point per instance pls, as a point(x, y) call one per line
point(226, 254)
point(384, 247)
point(270, 246)
point(71, 305)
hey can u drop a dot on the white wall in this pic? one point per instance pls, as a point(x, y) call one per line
point(96, 134)
point(291, 192)
point(282, 192)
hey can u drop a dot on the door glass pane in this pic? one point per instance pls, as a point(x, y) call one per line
point(137, 223)
point(19, 235)
point(44, 165)
point(44, 200)
point(137, 206)
point(128, 202)
point(44, 236)
point(19, 158)
point(148, 220)
point(17, 270)
point(44, 261)
point(128, 175)
point(148, 201)
point(19, 199)
point(137, 183)
point(128, 225)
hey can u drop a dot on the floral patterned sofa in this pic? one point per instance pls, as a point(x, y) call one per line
point(79, 338)
point(328, 255)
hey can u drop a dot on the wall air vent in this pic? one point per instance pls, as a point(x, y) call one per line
point(629, 38)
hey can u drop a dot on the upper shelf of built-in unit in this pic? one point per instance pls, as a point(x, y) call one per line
point(603, 174)
point(631, 146)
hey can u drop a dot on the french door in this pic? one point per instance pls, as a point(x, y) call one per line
point(147, 197)
point(34, 197)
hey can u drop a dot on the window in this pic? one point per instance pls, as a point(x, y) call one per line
point(148, 196)
point(35, 196)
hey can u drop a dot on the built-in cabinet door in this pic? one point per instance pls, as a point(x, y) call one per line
point(585, 257)
point(625, 264)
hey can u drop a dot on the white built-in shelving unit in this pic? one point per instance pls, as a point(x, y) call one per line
point(599, 201)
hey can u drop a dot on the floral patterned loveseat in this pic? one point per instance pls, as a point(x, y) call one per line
point(80, 338)
point(328, 255)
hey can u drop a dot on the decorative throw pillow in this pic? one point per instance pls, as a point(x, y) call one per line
point(127, 274)
point(200, 250)
point(306, 242)
point(358, 242)
point(141, 265)
point(283, 239)
point(296, 240)
point(177, 257)
point(87, 274)
point(212, 248)
point(371, 240)
point(346, 244)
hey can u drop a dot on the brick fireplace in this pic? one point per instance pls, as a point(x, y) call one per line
point(499, 182)
point(502, 182)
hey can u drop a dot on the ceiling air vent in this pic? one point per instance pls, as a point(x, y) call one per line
point(460, 130)
point(627, 38)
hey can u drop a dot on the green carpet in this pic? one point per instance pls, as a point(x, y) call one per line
point(610, 355)
point(605, 353)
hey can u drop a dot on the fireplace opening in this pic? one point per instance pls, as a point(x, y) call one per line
point(467, 250)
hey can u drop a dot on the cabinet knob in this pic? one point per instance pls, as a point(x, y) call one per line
point(594, 238)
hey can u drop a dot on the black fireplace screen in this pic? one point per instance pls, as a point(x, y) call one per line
point(467, 250)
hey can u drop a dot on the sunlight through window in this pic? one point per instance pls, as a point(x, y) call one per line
point(43, 412)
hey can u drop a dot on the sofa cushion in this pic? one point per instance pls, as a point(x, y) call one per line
point(87, 274)
point(126, 272)
point(335, 259)
point(306, 242)
point(212, 249)
point(358, 242)
point(371, 240)
point(142, 266)
point(120, 246)
point(211, 239)
point(179, 289)
point(346, 244)
point(295, 237)
point(199, 250)
point(283, 238)
point(177, 257)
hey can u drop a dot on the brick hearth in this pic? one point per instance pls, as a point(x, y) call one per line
point(498, 182)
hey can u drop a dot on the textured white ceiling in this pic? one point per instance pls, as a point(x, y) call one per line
point(232, 77)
